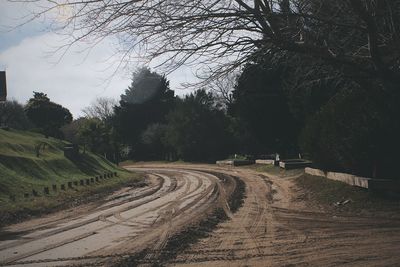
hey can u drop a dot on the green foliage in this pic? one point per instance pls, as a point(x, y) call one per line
point(356, 132)
point(21, 169)
point(12, 114)
point(71, 131)
point(146, 85)
point(47, 115)
point(263, 123)
point(197, 129)
point(145, 102)
point(94, 134)
point(99, 137)
point(152, 140)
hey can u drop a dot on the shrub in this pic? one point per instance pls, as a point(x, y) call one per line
point(356, 132)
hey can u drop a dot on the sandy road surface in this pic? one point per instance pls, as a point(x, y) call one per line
point(129, 221)
point(274, 227)
point(277, 227)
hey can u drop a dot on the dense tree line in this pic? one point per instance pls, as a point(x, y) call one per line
point(286, 104)
point(39, 114)
point(151, 123)
point(317, 77)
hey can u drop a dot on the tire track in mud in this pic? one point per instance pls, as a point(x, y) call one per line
point(80, 224)
point(246, 232)
point(193, 233)
point(84, 223)
point(295, 234)
point(189, 197)
point(207, 227)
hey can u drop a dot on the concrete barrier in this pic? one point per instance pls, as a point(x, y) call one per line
point(235, 162)
point(342, 177)
point(386, 186)
point(294, 164)
point(224, 162)
point(314, 172)
point(348, 179)
point(265, 161)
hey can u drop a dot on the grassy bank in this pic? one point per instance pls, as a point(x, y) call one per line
point(342, 197)
point(23, 170)
point(333, 195)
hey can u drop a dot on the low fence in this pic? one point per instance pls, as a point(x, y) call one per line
point(342, 177)
point(35, 192)
point(386, 186)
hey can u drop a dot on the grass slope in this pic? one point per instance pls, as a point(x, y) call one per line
point(326, 192)
point(21, 170)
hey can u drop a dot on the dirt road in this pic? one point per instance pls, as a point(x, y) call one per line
point(274, 226)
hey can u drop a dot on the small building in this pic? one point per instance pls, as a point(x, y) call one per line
point(3, 86)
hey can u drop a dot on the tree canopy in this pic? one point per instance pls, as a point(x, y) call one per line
point(12, 114)
point(147, 100)
point(196, 129)
point(261, 106)
point(47, 115)
point(146, 86)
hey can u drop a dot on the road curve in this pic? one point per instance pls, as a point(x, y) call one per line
point(123, 225)
point(278, 226)
point(275, 226)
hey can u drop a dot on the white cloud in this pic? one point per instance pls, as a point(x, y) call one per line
point(74, 81)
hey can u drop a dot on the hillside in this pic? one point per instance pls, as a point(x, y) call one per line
point(21, 170)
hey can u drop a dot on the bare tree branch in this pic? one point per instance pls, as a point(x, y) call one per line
point(358, 34)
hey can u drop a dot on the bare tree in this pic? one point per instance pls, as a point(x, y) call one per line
point(222, 87)
point(361, 35)
point(102, 108)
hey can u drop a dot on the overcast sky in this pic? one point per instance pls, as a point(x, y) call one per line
point(74, 80)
